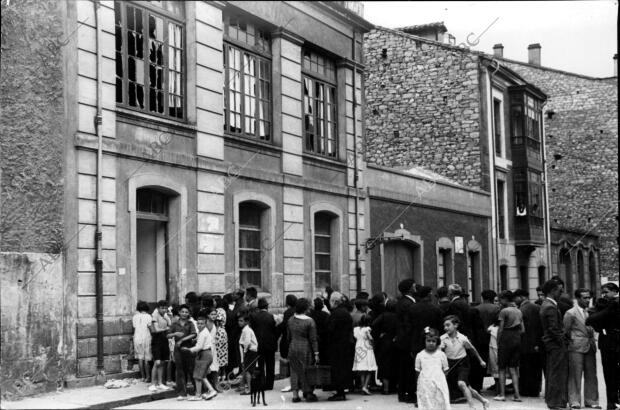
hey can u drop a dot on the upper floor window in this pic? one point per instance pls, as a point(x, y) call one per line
point(498, 124)
point(526, 122)
point(501, 209)
point(319, 104)
point(535, 194)
point(150, 52)
point(247, 79)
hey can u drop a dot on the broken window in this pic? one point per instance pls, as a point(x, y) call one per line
point(319, 104)
point(247, 82)
point(149, 58)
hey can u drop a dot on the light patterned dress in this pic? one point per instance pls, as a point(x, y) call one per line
point(432, 390)
point(221, 338)
point(142, 335)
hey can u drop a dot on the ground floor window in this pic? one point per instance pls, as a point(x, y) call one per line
point(250, 271)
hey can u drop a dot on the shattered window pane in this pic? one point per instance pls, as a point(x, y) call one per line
point(153, 83)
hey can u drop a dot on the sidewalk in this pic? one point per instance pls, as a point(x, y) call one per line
point(94, 397)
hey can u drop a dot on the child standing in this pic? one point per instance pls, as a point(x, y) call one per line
point(159, 345)
point(431, 365)
point(248, 348)
point(204, 357)
point(455, 345)
point(142, 339)
point(364, 361)
point(492, 365)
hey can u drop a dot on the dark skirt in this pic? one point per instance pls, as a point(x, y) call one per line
point(509, 348)
point(459, 370)
point(387, 361)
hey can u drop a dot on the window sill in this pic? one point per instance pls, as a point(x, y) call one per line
point(323, 161)
point(232, 139)
point(158, 123)
point(503, 163)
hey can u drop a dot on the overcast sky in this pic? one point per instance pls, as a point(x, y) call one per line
point(576, 36)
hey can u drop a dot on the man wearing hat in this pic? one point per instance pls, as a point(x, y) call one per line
point(264, 326)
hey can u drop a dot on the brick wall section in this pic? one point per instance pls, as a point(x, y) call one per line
point(583, 184)
point(429, 94)
point(31, 121)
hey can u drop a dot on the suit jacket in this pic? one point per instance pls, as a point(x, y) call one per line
point(423, 314)
point(264, 326)
point(403, 313)
point(553, 328)
point(606, 321)
point(460, 308)
point(581, 336)
point(533, 329)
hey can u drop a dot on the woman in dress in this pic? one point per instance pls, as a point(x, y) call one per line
point(364, 361)
point(221, 341)
point(384, 331)
point(303, 349)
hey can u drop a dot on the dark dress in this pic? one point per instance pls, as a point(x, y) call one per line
point(384, 330)
point(320, 319)
point(406, 375)
point(341, 347)
point(288, 313)
point(264, 326)
point(303, 344)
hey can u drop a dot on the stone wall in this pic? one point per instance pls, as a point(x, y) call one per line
point(31, 194)
point(422, 106)
point(582, 149)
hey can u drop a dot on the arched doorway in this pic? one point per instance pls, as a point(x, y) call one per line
point(565, 269)
point(401, 258)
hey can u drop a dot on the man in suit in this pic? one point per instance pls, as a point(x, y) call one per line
point(554, 339)
point(581, 353)
point(406, 385)
point(530, 369)
point(423, 314)
point(264, 326)
point(606, 321)
point(460, 308)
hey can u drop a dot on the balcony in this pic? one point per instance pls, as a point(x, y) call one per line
point(529, 230)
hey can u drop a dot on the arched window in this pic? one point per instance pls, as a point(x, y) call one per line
point(324, 255)
point(445, 262)
point(503, 277)
point(581, 277)
point(592, 272)
point(565, 269)
point(252, 235)
point(542, 275)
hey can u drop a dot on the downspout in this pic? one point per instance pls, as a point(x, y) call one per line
point(545, 193)
point(491, 139)
point(358, 269)
point(98, 235)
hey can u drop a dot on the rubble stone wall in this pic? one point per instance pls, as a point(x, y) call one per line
point(422, 106)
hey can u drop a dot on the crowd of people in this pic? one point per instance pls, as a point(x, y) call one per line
point(432, 348)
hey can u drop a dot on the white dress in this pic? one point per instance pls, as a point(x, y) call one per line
point(364, 355)
point(432, 392)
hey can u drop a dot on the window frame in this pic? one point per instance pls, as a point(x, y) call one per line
point(497, 96)
point(167, 17)
point(260, 55)
point(259, 229)
point(328, 83)
point(330, 220)
point(502, 211)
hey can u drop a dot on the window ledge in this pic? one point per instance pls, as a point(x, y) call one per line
point(503, 163)
point(251, 142)
point(320, 160)
point(146, 120)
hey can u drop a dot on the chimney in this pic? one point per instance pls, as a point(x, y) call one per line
point(498, 50)
point(533, 54)
point(615, 65)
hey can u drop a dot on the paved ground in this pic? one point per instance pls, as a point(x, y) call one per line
point(277, 400)
point(100, 397)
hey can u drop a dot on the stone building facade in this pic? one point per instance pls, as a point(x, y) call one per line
point(581, 123)
point(168, 147)
point(468, 118)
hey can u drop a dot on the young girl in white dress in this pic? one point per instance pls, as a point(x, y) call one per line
point(431, 364)
point(364, 361)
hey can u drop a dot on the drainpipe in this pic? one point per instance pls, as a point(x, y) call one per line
point(491, 139)
point(545, 193)
point(358, 269)
point(98, 235)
